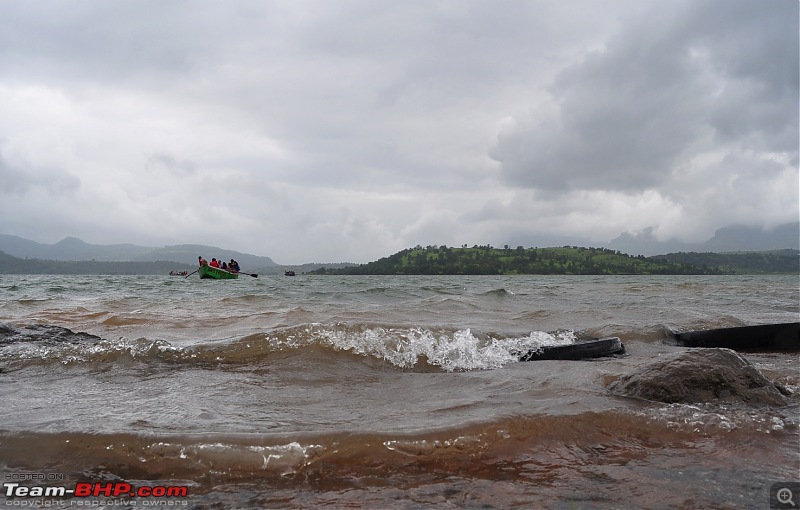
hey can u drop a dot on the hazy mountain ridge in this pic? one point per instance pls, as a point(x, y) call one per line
point(73, 249)
point(733, 238)
point(15, 265)
point(740, 238)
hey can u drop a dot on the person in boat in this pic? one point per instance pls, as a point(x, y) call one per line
point(224, 266)
point(233, 266)
point(201, 260)
point(214, 262)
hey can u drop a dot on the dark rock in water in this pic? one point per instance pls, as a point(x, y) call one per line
point(7, 331)
point(764, 337)
point(43, 333)
point(697, 376)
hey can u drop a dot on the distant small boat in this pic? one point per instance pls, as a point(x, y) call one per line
point(288, 273)
point(178, 273)
point(216, 273)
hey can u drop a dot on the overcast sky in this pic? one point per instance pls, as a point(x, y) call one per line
point(333, 130)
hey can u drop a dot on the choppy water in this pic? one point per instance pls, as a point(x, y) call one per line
point(387, 392)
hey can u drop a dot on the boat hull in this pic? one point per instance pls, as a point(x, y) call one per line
point(215, 273)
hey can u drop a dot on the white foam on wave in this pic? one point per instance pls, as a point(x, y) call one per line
point(458, 350)
point(230, 458)
point(706, 418)
point(109, 350)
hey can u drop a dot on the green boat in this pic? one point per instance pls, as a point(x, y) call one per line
point(216, 273)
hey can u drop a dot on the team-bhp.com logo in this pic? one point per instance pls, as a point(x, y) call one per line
point(96, 490)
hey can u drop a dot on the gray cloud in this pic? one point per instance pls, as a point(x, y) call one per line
point(628, 116)
point(19, 180)
point(13, 180)
point(163, 161)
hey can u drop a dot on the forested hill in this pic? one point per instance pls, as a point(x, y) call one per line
point(566, 260)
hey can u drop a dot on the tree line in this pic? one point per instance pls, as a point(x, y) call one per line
point(486, 260)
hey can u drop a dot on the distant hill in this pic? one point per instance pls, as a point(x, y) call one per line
point(486, 260)
point(734, 238)
point(187, 254)
point(740, 238)
point(762, 262)
point(71, 248)
point(15, 265)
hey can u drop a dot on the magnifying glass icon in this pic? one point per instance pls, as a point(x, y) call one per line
point(785, 496)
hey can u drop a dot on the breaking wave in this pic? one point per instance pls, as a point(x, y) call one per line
point(400, 346)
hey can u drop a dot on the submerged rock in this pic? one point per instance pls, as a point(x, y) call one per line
point(696, 376)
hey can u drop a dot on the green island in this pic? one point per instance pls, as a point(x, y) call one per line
point(567, 260)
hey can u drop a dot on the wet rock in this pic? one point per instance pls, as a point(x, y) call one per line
point(7, 331)
point(696, 376)
point(764, 337)
point(43, 333)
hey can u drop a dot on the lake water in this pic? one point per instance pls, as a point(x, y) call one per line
point(383, 392)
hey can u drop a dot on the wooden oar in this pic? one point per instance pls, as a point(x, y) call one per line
point(249, 274)
point(193, 272)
